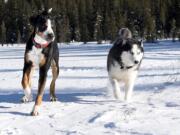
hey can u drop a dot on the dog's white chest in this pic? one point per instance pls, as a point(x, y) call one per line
point(121, 75)
point(36, 56)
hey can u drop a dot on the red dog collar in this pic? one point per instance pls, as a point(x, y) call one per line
point(37, 45)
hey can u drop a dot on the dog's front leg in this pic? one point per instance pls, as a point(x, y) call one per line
point(26, 82)
point(129, 90)
point(55, 73)
point(129, 85)
point(116, 88)
point(42, 82)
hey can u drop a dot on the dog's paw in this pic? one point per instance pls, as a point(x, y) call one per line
point(53, 99)
point(117, 96)
point(34, 113)
point(127, 100)
point(26, 99)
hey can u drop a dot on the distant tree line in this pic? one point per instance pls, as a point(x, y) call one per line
point(92, 20)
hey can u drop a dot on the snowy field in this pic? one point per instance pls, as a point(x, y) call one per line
point(84, 107)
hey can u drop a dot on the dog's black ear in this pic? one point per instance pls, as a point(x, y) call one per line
point(32, 20)
point(47, 11)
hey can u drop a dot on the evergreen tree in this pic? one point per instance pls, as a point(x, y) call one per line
point(98, 29)
point(173, 30)
point(83, 21)
point(62, 29)
point(67, 31)
point(79, 20)
point(73, 20)
point(19, 37)
point(58, 21)
point(3, 33)
point(113, 30)
point(91, 17)
point(11, 21)
point(150, 27)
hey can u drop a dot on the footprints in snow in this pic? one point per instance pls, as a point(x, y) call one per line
point(10, 131)
point(110, 125)
point(172, 104)
point(111, 118)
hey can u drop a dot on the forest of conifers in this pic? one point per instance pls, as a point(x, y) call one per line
point(92, 20)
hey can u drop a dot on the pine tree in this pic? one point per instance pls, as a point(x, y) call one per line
point(23, 20)
point(76, 29)
point(91, 17)
point(149, 26)
point(11, 21)
point(173, 30)
point(67, 31)
point(77, 34)
point(98, 29)
point(1, 10)
point(3, 33)
point(62, 29)
point(77, 19)
point(83, 21)
point(105, 26)
point(58, 21)
point(73, 20)
point(19, 37)
point(113, 30)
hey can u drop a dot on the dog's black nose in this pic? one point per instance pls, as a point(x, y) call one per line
point(50, 36)
point(136, 62)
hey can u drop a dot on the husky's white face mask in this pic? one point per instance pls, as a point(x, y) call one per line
point(133, 54)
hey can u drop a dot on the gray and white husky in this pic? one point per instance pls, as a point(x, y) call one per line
point(123, 62)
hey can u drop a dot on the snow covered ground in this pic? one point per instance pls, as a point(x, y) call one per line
point(84, 107)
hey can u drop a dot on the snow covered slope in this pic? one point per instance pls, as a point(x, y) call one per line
point(84, 107)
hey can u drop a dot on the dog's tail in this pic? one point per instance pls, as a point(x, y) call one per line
point(125, 33)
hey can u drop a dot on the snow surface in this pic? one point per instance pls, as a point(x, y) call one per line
point(84, 107)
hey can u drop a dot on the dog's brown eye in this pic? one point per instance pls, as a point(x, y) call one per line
point(132, 53)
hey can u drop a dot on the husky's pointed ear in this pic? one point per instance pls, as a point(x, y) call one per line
point(32, 20)
point(49, 10)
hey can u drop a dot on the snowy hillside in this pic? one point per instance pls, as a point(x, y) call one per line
point(84, 107)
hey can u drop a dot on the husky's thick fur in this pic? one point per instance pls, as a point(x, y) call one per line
point(124, 60)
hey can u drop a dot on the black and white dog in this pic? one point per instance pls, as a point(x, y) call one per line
point(41, 51)
point(124, 60)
